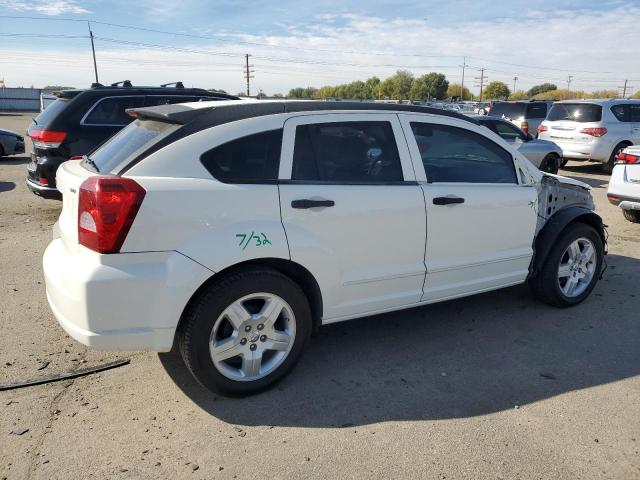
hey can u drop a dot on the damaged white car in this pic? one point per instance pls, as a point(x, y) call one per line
point(234, 229)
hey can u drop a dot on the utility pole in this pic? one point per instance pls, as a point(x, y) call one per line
point(248, 72)
point(569, 80)
point(515, 79)
point(625, 88)
point(464, 64)
point(93, 49)
point(482, 78)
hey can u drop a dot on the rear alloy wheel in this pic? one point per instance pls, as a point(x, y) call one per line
point(550, 163)
point(608, 167)
point(632, 215)
point(245, 332)
point(572, 267)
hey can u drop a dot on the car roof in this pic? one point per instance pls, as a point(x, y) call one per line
point(600, 100)
point(217, 112)
point(108, 91)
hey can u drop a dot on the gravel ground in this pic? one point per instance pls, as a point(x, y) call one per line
point(492, 386)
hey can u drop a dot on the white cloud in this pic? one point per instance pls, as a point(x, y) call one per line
point(348, 47)
point(46, 7)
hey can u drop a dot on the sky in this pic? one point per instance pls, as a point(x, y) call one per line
point(297, 43)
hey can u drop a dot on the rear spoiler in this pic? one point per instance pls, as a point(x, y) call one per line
point(173, 113)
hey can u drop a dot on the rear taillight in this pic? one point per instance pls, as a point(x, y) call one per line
point(47, 138)
point(107, 207)
point(628, 158)
point(594, 132)
point(542, 128)
point(524, 126)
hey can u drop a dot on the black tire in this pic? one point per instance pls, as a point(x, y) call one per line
point(608, 167)
point(545, 284)
point(1, 152)
point(550, 163)
point(632, 215)
point(196, 327)
point(563, 162)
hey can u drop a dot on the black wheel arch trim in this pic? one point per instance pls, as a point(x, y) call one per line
point(556, 224)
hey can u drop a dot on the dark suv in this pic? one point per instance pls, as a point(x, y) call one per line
point(526, 115)
point(80, 120)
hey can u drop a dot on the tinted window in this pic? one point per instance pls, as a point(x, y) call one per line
point(576, 112)
point(251, 159)
point(634, 113)
point(537, 110)
point(112, 111)
point(128, 141)
point(507, 131)
point(620, 112)
point(451, 154)
point(359, 152)
point(52, 111)
point(508, 110)
point(154, 100)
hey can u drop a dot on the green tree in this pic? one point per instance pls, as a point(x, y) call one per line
point(403, 81)
point(430, 85)
point(636, 95)
point(371, 87)
point(562, 94)
point(497, 91)
point(387, 88)
point(543, 87)
point(326, 92)
point(261, 94)
point(278, 95)
point(519, 95)
point(296, 93)
point(604, 94)
point(454, 91)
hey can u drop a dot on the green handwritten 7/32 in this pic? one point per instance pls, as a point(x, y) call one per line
point(260, 239)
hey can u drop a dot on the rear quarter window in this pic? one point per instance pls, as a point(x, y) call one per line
point(129, 141)
point(575, 112)
point(54, 109)
point(112, 111)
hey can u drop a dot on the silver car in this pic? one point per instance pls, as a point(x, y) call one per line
point(593, 130)
point(545, 155)
point(10, 143)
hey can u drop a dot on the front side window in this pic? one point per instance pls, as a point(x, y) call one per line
point(251, 159)
point(358, 152)
point(452, 154)
point(113, 111)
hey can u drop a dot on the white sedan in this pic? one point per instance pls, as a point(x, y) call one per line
point(237, 228)
point(624, 185)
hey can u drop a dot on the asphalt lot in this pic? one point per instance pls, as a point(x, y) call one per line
point(493, 386)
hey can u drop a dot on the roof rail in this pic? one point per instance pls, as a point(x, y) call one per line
point(177, 84)
point(125, 84)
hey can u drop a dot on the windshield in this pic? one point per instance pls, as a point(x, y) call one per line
point(575, 112)
point(52, 111)
point(130, 140)
point(508, 110)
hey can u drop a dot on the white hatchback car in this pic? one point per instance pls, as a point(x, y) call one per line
point(237, 228)
point(624, 186)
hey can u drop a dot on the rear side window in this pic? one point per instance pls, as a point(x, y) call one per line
point(112, 111)
point(154, 100)
point(508, 110)
point(52, 111)
point(575, 112)
point(452, 154)
point(537, 110)
point(634, 113)
point(251, 159)
point(346, 152)
point(128, 141)
point(620, 112)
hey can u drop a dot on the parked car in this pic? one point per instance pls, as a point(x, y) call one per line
point(545, 155)
point(593, 130)
point(526, 115)
point(482, 108)
point(624, 185)
point(80, 120)
point(237, 228)
point(10, 143)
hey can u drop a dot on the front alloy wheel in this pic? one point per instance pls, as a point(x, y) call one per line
point(577, 267)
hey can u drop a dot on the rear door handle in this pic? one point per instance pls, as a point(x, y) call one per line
point(307, 203)
point(447, 200)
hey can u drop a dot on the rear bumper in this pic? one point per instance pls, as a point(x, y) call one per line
point(596, 151)
point(43, 190)
point(127, 301)
point(622, 192)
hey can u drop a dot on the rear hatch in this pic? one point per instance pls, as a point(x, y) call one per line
point(106, 161)
point(632, 171)
point(514, 112)
point(573, 123)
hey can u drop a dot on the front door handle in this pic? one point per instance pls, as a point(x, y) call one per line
point(307, 203)
point(447, 200)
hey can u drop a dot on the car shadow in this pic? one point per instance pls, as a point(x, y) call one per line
point(15, 160)
point(575, 169)
point(6, 186)
point(461, 358)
